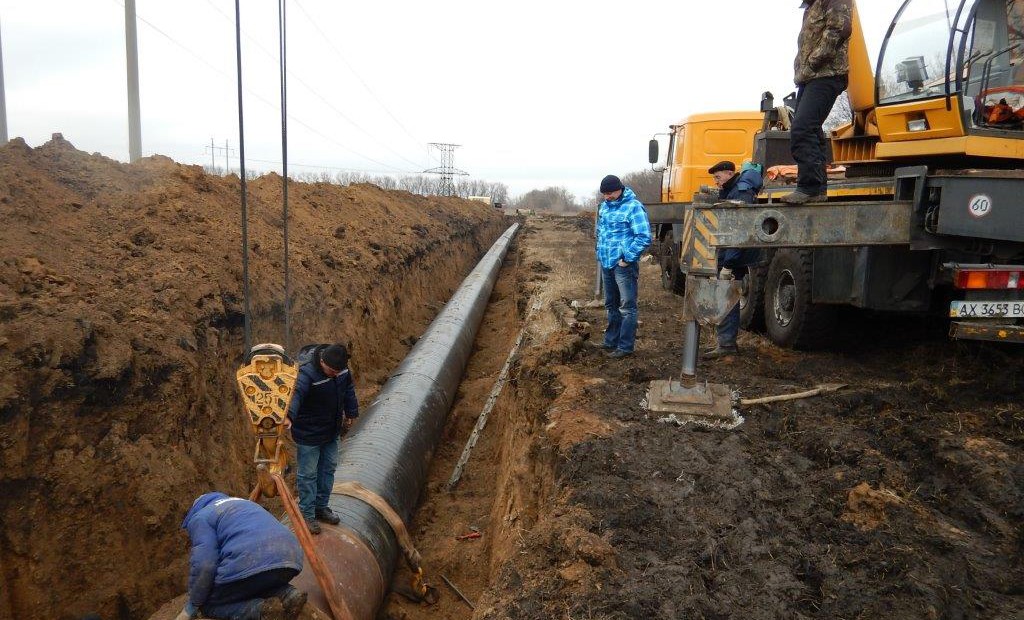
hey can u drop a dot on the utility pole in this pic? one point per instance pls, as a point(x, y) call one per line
point(213, 148)
point(447, 169)
point(3, 101)
point(134, 116)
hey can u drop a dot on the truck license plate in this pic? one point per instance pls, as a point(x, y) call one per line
point(986, 309)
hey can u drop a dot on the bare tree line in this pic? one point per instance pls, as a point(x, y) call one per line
point(842, 113)
point(645, 183)
point(424, 185)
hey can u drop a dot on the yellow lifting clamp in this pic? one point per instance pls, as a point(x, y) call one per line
point(267, 382)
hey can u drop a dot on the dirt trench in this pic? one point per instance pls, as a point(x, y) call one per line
point(901, 496)
point(120, 332)
point(509, 492)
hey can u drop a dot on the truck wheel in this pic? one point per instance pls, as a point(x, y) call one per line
point(792, 321)
point(752, 301)
point(672, 278)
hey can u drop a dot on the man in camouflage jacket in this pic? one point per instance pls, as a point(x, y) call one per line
point(821, 67)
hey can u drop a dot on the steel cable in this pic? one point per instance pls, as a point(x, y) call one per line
point(241, 174)
point(282, 38)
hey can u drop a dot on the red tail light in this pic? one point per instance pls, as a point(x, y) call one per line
point(988, 279)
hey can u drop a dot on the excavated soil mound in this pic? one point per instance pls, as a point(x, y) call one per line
point(121, 316)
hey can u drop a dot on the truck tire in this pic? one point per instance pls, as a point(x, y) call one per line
point(791, 319)
point(673, 279)
point(752, 301)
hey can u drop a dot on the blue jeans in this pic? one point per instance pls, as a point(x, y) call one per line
point(240, 600)
point(315, 477)
point(620, 288)
point(729, 328)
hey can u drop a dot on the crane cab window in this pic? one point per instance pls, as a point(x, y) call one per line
point(913, 60)
point(993, 65)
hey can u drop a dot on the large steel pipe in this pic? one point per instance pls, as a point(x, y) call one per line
point(389, 450)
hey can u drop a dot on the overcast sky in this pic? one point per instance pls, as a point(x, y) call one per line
point(538, 93)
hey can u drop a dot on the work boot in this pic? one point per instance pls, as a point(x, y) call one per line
point(619, 354)
point(599, 344)
point(262, 609)
point(272, 609)
point(722, 351)
point(293, 601)
point(800, 197)
point(312, 526)
point(327, 516)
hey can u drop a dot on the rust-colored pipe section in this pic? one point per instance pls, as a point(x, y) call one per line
point(389, 450)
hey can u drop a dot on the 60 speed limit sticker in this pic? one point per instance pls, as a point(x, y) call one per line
point(979, 205)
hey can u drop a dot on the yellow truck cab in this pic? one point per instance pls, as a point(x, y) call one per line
point(694, 144)
point(699, 142)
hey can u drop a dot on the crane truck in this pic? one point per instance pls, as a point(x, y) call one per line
point(928, 217)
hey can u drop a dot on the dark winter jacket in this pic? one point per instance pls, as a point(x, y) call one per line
point(318, 402)
point(824, 43)
point(233, 538)
point(744, 186)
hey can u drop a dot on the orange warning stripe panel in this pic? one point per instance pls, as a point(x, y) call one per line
point(704, 231)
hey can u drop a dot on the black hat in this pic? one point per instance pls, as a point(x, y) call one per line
point(611, 183)
point(722, 165)
point(335, 356)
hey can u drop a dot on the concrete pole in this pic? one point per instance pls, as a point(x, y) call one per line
point(134, 116)
point(3, 101)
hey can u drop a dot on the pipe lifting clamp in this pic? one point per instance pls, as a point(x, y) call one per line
point(266, 382)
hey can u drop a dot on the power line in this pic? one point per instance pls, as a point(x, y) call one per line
point(261, 98)
point(316, 94)
point(356, 74)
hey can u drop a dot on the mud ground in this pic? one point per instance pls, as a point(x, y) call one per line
point(900, 496)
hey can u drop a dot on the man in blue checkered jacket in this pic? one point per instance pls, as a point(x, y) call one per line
point(623, 232)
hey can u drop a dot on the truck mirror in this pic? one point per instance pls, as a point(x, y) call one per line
point(652, 151)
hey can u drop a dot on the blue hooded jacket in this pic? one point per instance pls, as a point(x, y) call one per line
point(233, 538)
point(623, 230)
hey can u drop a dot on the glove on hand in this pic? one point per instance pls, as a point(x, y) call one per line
point(726, 274)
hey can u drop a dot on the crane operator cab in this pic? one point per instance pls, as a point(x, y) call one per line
point(950, 78)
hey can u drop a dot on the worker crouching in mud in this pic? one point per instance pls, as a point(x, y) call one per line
point(241, 563)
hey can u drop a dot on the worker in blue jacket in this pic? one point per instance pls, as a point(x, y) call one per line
point(323, 405)
point(623, 233)
point(241, 563)
point(734, 263)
